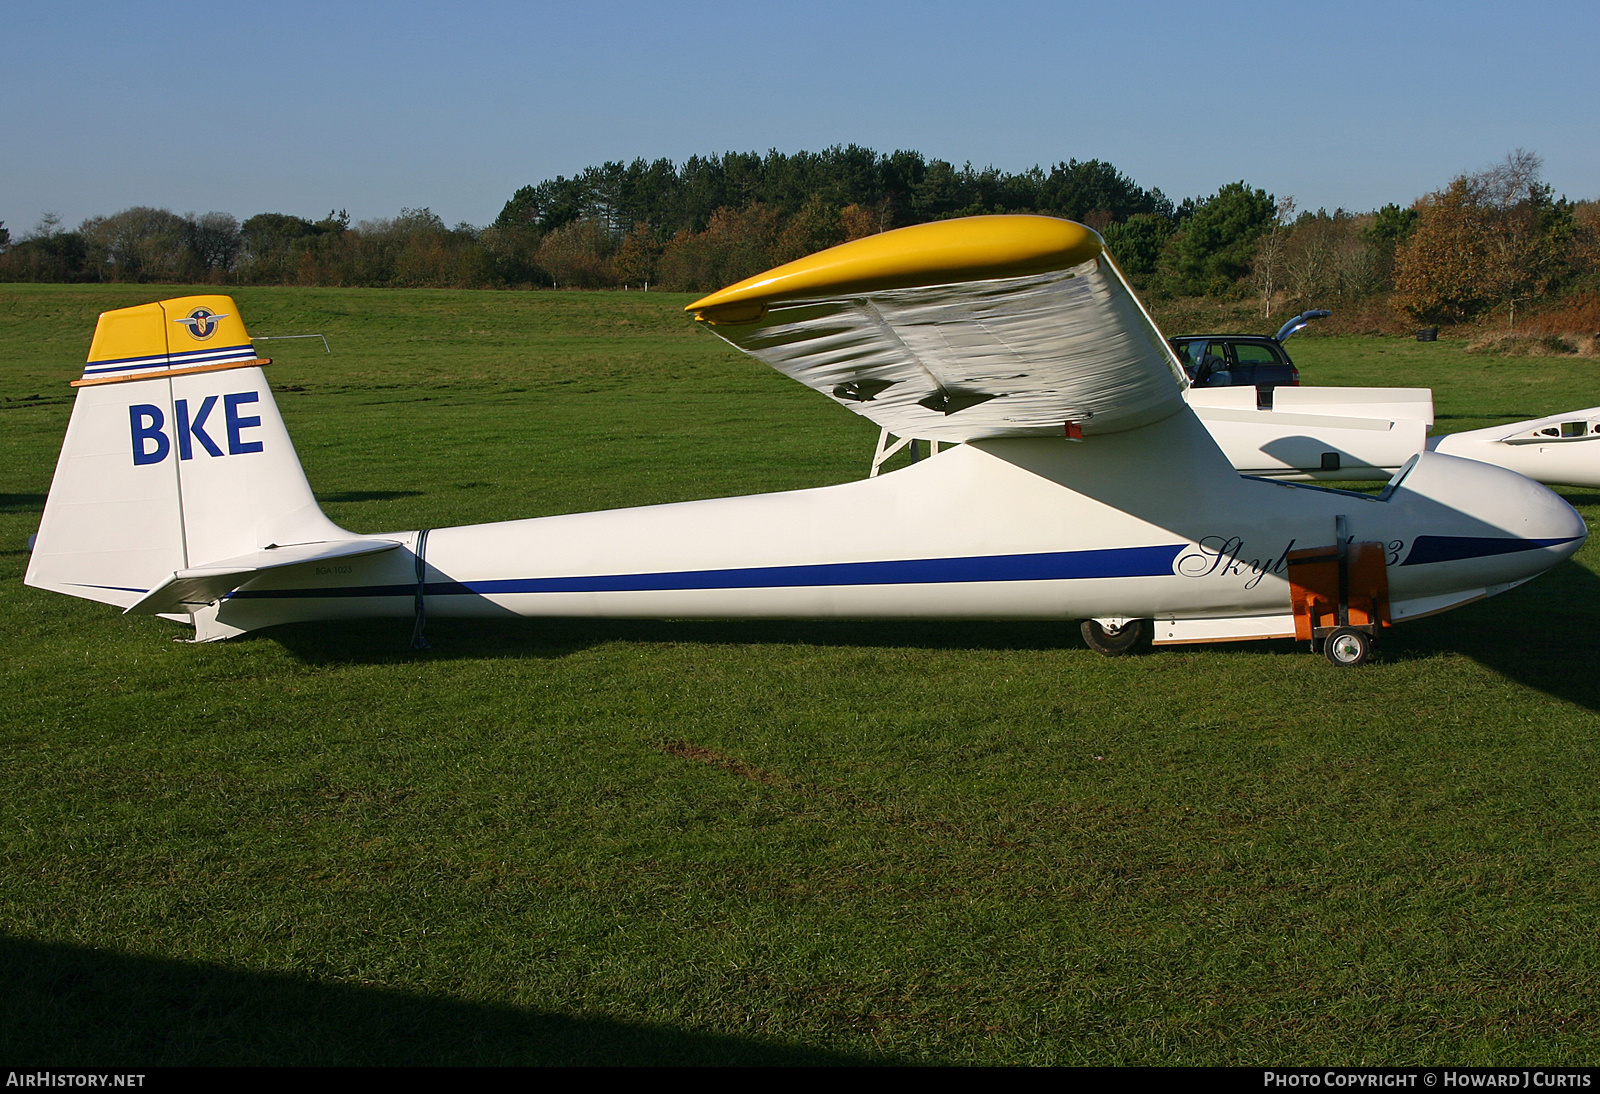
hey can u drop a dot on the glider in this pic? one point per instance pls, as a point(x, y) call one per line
point(1078, 483)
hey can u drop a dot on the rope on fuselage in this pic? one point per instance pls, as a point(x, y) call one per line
point(420, 605)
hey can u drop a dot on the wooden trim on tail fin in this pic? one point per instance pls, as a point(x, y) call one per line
point(95, 380)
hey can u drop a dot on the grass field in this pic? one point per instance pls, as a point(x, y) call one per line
point(613, 842)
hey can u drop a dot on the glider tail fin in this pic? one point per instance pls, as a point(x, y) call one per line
point(175, 457)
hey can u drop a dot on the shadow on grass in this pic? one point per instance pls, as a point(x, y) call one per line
point(1542, 635)
point(22, 503)
point(1498, 416)
point(68, 1006)
point(367, 495)
point(381, 641)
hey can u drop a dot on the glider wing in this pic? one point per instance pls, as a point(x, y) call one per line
point(958, 330)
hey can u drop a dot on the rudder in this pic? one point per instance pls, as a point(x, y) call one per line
point(175, 457)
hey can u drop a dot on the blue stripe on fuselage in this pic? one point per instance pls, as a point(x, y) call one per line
point(1426, 549)
point(1045, 566)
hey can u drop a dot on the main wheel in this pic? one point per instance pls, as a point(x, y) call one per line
point(1113, 643)
point(1347, 647)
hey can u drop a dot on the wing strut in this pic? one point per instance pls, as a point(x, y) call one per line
point(885, 450)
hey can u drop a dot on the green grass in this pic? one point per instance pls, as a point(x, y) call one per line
point(582, 841)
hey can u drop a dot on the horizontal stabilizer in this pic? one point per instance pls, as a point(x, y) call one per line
point(188, 590)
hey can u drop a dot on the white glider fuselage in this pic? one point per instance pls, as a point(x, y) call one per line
point(986, 530)
point(1562, 448)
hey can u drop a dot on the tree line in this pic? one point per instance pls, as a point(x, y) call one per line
point(1491, 240)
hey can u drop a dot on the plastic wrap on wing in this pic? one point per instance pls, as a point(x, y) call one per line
point(1008, 357)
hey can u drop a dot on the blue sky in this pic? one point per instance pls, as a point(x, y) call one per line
point(300, 107)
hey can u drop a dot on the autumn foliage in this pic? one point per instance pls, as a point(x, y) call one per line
point(1497, 242)
point(1489, 240)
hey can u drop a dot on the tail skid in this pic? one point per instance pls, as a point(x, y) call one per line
point(177, 481)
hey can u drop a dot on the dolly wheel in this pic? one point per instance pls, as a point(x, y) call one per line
point(1347, 647)
point(1113, 643)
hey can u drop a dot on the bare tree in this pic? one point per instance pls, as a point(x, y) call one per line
point(1266, 271)
point(1523, 241)
point(49, 226)
point(1513, 181)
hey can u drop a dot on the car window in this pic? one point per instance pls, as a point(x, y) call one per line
point(1248, 354)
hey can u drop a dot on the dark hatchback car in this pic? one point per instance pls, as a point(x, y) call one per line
point(1242, 360)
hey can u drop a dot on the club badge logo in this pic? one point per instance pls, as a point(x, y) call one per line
point(202, 323)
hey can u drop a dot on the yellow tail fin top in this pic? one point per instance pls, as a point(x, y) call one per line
point(188, 334)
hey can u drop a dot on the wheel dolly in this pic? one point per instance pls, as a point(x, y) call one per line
point(1340, 596)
